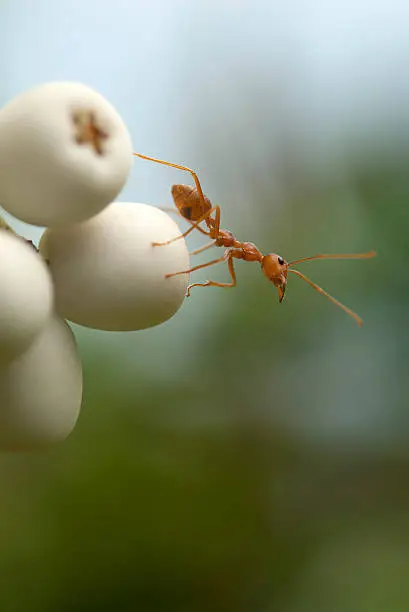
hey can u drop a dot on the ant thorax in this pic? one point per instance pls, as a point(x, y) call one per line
point(225, 238)
point(251, 252)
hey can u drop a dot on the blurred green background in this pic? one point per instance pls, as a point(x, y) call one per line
point(245, 456)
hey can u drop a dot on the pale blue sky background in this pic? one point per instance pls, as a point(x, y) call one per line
point(186, 76)
point(344, 63)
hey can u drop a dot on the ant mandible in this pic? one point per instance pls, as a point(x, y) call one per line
point(196, 208)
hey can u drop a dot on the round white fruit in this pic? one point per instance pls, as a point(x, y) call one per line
point(26, 295)
point(65, 154)
point(108, 275)
point(41, 391)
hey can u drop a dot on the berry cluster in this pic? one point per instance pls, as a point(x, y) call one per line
point(65, 154)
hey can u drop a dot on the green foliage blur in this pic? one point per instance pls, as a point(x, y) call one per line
point(245, 456)
point(202, 492)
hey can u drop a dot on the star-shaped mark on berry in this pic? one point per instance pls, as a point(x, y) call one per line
point(88, 132)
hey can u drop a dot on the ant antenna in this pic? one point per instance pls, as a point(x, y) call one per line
point(368, 255)
point(320, 290)
point(350, 312)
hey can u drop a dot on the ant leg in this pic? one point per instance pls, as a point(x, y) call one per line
point(168, 209)
point(185, 168)
point(210, 283)
point(200, 266)
point(203, 248)
point(216, 226)
point(177, 212)
point(198, 187)
point(227, 255)
point(194, 225)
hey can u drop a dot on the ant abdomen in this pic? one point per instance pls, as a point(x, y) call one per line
point(189, 203)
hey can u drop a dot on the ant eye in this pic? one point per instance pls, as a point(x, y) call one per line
point(280, 261)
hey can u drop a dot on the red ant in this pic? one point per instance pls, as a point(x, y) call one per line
point(196, 208)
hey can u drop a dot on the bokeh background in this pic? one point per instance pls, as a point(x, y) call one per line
point(245, 456)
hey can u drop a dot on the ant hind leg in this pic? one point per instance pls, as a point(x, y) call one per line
point(180, 167)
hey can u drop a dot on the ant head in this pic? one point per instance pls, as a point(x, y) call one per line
point(275, 268)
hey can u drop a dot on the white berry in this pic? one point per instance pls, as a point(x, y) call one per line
point(65, 154)
point(108, 276)
point(26, 296)
point(41, 391)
